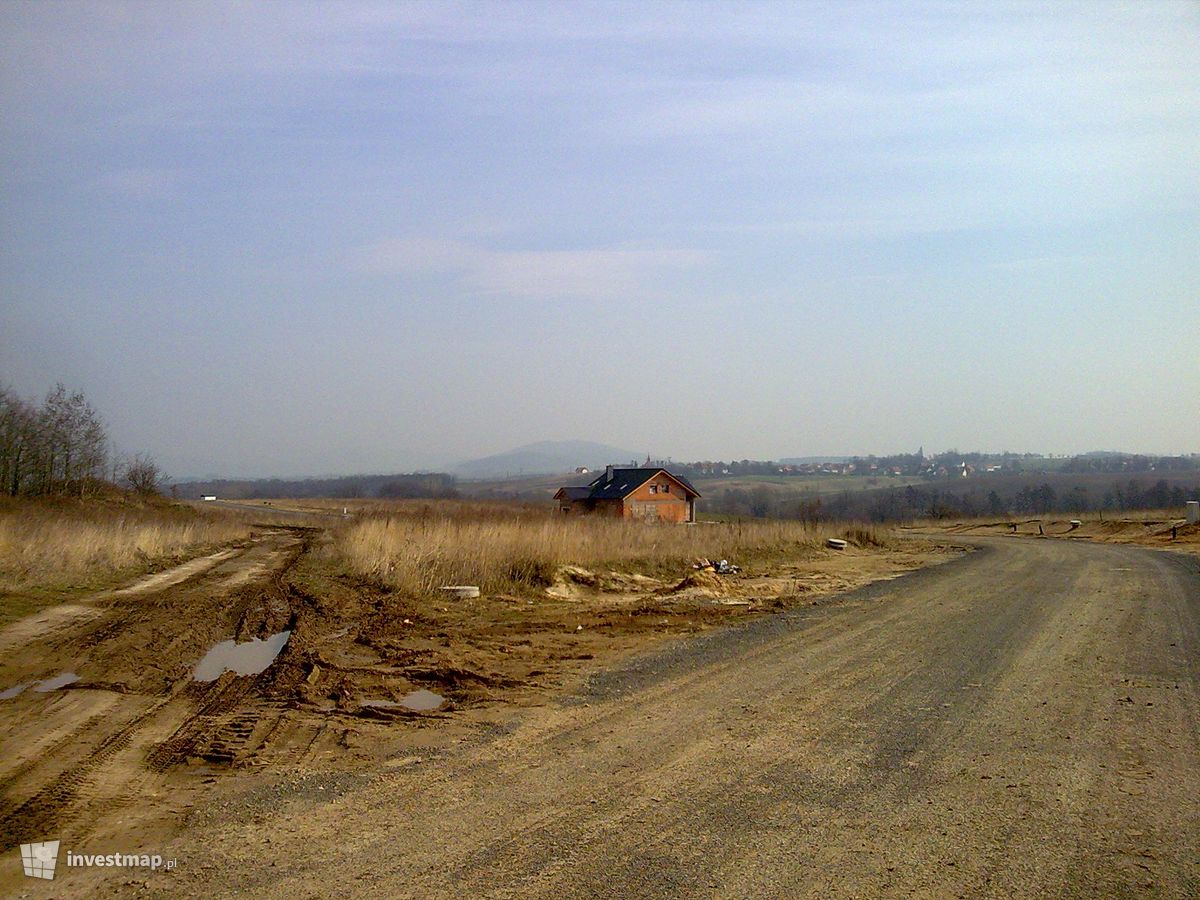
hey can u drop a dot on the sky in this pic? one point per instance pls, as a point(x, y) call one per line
point(289, 238)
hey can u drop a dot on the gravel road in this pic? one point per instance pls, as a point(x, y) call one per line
point(1024, 721)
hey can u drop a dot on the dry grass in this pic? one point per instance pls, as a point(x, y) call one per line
point(423, 546)
point(71, 545)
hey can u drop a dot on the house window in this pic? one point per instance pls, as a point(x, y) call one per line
point(666, 488)
point(654, 488)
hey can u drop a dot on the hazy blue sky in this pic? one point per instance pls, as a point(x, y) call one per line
point(291, 238)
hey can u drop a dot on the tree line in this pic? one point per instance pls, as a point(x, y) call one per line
point(60, 446)
point(1014, 496)
point(1124, 462)
point(423, 485)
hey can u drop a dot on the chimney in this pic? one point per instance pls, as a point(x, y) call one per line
point(608, 473)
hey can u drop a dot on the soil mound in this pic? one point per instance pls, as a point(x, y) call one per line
point(569, 582)
point(702, 583)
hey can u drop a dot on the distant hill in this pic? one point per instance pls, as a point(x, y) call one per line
point(545, 458)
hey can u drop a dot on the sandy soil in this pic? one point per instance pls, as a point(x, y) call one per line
point(124, 753)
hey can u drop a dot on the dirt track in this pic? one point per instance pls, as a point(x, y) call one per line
point(95, 759)
point(1024, 721)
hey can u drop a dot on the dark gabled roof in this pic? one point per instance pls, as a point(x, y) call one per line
point(626, 481)
point(574, 493)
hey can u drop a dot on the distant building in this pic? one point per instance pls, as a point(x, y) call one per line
point(582, 470)
point(650, 494)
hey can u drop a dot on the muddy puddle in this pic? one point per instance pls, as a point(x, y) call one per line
point(60, 680)
point(422, 700)
point(418, 701)
point(250, 658)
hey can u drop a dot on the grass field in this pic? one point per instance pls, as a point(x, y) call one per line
point(64, 546)
point(419, 547)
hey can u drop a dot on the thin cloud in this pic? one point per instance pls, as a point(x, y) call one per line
point(592, 274)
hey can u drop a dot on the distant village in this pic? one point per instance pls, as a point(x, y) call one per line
point(949, 464)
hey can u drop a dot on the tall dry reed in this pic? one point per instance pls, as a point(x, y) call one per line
point(417, 554)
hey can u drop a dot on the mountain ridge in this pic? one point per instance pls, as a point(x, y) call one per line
point(544, 458)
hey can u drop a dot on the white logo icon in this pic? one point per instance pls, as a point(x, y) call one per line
point(39, 859)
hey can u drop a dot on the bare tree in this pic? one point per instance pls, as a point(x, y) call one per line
point(75, 443)
point(59, 447)
point(17, 441)
point(143, 474)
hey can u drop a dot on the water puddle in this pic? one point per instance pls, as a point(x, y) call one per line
point(60, 680)
point(422, 700)
point(249, 658)
point(417, 701)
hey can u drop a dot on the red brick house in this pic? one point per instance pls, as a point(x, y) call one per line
point(649, 494)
